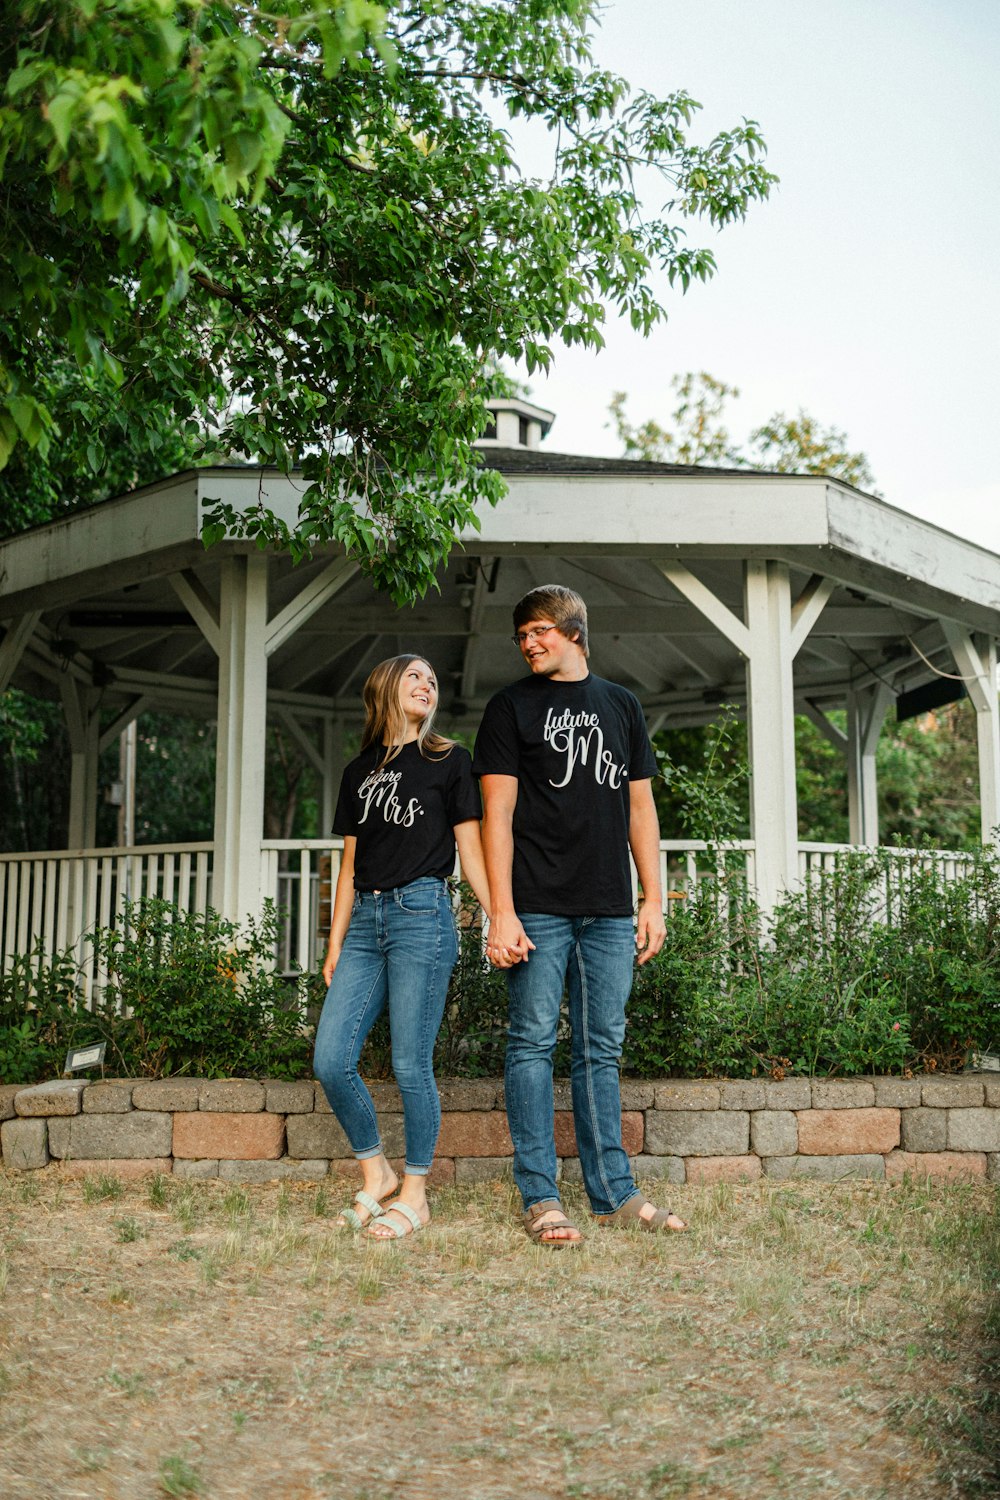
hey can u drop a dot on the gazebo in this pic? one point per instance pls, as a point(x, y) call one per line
point(779, 593)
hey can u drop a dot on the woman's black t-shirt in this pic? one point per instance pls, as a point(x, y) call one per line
point(574, 748)
point(403, 813)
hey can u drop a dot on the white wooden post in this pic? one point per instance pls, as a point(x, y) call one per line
point(239, 765)
point(83, 724)
point(976, 661)
point(866, 711)
point(771, 729)
point(333, 770)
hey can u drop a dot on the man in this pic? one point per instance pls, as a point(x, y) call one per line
point(566, 765)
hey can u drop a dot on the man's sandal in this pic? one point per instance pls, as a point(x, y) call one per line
point(536, 1232)
point(640, 1212)
point(396, 1231)
point(371, 1206)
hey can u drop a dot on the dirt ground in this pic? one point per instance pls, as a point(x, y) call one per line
point(171, 1339)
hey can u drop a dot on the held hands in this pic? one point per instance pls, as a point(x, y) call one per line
point(508, 943)
point(651, 929)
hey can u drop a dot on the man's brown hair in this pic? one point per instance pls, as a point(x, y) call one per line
point(551, 601)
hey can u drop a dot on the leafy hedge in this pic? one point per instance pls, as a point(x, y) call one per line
point(881, 966)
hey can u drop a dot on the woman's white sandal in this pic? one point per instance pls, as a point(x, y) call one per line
point(372, 1207)
point(396, 1231)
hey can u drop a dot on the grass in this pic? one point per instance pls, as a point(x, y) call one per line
point(204, 1339)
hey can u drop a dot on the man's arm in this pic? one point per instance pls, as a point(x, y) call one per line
point(644, 841)
point(508, 942)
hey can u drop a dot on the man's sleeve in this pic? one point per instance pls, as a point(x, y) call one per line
point(642, 760)
point(497, 749)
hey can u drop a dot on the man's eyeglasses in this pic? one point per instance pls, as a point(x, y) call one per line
point(524, 636)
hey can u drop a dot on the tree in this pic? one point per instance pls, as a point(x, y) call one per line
point(697, 435)
point(302, 236)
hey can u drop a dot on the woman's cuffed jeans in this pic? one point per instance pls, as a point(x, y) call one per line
point(591, 958)
point(399, 951)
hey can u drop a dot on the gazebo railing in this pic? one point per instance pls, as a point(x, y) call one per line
point(52, 899)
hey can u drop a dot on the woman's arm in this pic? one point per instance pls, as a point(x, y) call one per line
point(343, 905)
point(470, 853)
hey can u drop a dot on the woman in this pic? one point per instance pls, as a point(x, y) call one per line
point(405, 802)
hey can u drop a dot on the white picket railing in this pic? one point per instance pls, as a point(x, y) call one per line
point(53, 899)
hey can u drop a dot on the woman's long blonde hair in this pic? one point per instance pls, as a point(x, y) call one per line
point(384, 720)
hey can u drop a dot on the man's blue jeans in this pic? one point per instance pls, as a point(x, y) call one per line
point(400, 950)
point(591, 958)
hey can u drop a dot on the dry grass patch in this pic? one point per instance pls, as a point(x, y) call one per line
point(205, 1339)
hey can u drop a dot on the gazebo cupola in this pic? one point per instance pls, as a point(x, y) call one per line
point(515, 424)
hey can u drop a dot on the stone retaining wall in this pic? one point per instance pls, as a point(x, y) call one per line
point(682, 1130)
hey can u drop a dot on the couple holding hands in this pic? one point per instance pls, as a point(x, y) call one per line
point(565, 766)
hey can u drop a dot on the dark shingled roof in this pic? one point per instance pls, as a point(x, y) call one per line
point(541, 461)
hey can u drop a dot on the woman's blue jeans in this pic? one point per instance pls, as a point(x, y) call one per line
point(591, 958)
point(399, 951)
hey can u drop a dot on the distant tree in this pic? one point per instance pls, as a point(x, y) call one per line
point(698, 435)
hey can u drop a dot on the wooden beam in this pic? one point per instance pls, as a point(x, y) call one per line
point(199, 604)
point(707, 604)
point(125, 718)
point(19, 633)
point(307, 601)
point(808, 607)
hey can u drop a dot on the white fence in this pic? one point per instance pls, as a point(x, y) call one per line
point(52, 900)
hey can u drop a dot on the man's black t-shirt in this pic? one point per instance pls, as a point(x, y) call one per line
point(574, 748)
point(403, 813)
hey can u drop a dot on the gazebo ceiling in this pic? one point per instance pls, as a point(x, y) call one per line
point(110, 614)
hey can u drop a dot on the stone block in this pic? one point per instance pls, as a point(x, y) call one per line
point(139, 1135)
point(483, 1168)
point(952, 1093)
point(659, 1168)
point(787, 1093)
point(385, 1095)
point(167, 1094)
point(897, 1093)
point(842, 1093)
point(321, 1103)
point(847, 1132)
point(107, 1098)
point(127, 1169)
point(687, 1093)
point(196, 1171)
point(948, 1166)
point(231, 1096)
point(231, 1137)
point(774, 1132)
point(25, 1144)
point(282, 1097)
point(7, 1092)
point(993, 1166)
point(705, 1169)
point(463, 1094)
point(825, 1168)
point(636, 1094)
point(991, 1091)
point(475, 1133)
point(312, 1136)
point(61, 1097)
point(923, 1129)
point(973, 1129)
point(565, 1133)
point(682, 1132)
point(285, 1169)
point(742, 1093)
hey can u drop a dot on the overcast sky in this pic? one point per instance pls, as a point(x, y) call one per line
point(866, 290)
